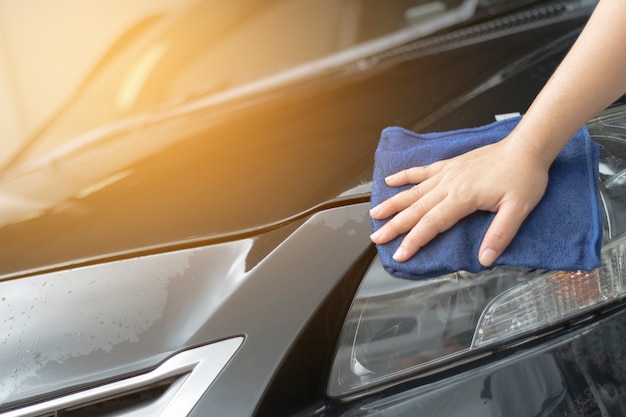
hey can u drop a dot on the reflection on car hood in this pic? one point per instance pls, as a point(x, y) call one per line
point(215, 172)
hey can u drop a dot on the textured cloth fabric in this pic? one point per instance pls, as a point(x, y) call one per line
point(564, 231)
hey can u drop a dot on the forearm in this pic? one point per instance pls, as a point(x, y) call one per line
point(590, 78)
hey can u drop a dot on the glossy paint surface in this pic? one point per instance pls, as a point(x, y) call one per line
point(95, 322)
point(249, 163)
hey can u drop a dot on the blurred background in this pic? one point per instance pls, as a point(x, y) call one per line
point(48, 46)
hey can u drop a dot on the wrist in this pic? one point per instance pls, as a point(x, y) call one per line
point(533, 147)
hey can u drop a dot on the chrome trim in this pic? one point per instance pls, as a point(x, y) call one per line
point(198, 368)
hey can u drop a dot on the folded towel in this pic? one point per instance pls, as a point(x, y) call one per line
point(564, 231)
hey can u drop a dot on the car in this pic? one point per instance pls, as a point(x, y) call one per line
point(188, 235)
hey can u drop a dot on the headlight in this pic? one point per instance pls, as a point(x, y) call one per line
point(399, 328)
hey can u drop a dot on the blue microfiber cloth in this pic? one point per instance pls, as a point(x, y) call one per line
point(564, 231)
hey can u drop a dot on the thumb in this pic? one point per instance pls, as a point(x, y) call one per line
point(500, 233)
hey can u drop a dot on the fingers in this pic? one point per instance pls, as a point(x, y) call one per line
point(500, 233)
point(409, 176)
point(424, 222)
point(420, 176)
point(424, 219)
point(434, 221)
point(406, 219)
point(418, 211)
point(402, 200)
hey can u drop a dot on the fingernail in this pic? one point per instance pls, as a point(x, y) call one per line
point(487, 257)
point(399, 255)
point(374, 211)
point(389, 178)
point(375, 235)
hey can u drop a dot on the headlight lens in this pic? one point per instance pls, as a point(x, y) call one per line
point(551, 298)
point(396, 328)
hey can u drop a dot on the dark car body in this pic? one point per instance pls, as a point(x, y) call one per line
point(238, 219)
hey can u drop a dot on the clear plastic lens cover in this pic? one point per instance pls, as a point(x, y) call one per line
point(397, 328)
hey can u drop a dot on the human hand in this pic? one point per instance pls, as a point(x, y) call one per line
point(504, 178)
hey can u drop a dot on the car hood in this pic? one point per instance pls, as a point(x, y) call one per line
point(228, 168)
